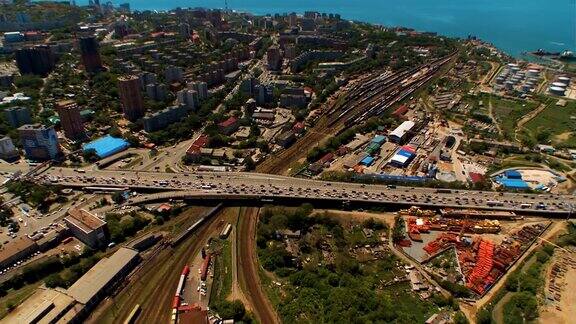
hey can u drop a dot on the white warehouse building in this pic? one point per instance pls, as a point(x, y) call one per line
point(399, 134)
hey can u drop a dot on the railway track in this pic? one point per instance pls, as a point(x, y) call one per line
point(153, 285)
point(248, 268)
point(363, 101)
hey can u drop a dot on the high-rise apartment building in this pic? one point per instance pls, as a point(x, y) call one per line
point(90, 54)
point(131, 97)
point(274, 58)
point(70, 119)
point(39, 142)
point(37, 60)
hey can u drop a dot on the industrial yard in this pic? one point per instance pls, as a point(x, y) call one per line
point(484, 250)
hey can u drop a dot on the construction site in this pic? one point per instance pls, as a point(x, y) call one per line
point(483, 249)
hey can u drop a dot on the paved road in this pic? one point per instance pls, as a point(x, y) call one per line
point(222, 185)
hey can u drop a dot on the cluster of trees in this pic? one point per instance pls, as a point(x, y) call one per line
point(399, 229)
point(5, 215)
point(343, 138)
point(333, 144)
point(373, 224)
point(38, 195)
point(123, 226)
point(344, 291)
point(482, 118)
point(48, 268)
point(457, 290)
point(233, 310)
point(71, 272)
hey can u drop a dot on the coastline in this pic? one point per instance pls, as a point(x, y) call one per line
point(489, 20)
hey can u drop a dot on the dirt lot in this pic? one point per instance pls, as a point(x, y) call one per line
point(564, 310)
point(388, 218)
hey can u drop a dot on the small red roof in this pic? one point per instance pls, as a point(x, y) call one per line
point(408, 148)
point(298, 127)
point(164, 207)
point(326, 158)
point(199, 143)
point(476, 177)
point(400, 111)
point(228, 122)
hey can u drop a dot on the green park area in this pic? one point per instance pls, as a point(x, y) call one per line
point(555, 125)
point(509, 112)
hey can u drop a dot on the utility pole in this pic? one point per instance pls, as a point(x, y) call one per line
point(226, 5)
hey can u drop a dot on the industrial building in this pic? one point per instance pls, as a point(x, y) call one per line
point(512, 180)
point(194, 151)
point(91, 287)
point(286, 139)
point(43, 306)
point(403, 157)
point(73, 305)
point(16, 250)
point(106, 146)
point(400, 134)
point(88, 228)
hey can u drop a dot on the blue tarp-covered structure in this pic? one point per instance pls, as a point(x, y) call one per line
point(106, 146)
point(517, 184)
point(513, 174)
point(367, 161)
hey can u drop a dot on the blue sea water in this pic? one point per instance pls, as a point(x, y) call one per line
point(514, 26)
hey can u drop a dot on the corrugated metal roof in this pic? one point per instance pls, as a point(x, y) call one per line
point(101, 275)
point(401, 130)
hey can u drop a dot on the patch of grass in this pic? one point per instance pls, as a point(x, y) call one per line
point(222, 285)
point(559, 122)
point(509, 112)
point(15, 297)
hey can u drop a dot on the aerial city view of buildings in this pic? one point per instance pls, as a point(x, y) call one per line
point(213, 166)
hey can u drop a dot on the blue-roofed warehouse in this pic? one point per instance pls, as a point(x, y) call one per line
point(367, 161)
point(379, 139)
point(106, 146)
point(513, 174)
point(517, 184)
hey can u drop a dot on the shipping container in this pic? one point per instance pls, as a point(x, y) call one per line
point(205, 266)
point(226, 231)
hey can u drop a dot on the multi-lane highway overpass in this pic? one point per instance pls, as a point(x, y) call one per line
point(243, 186)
